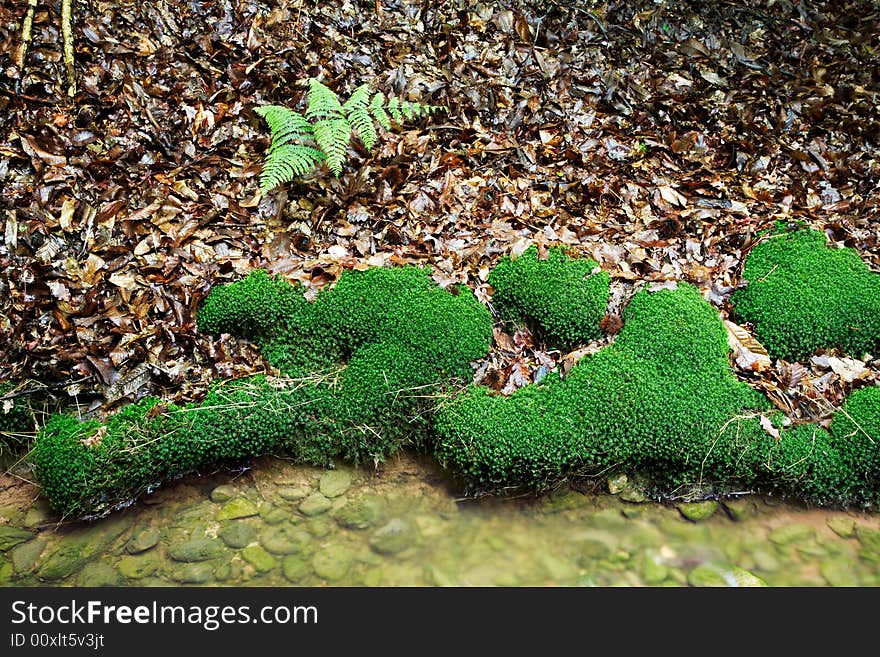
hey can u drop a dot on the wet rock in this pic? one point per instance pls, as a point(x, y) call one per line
point(557, 569)
point(838, 572)
point(765, 560)
point(38, 515)
point(608, 519)
point(715, 575)
point(842, 526)
point(223, 493)
point(788, 534)
point(72, 553)
point(709, 575)
point(744, 578)
point(439, 577)
point(142, 539)
point(332, 563)
point(294, 493)
point(193, 573)
point(361, 513)
point(741, 508)
point(294, 568)
point(314, 505)
point(617, 483)
point(320, 528)
point(334, 483)
point(285, 539)
point(11, 513)
point(653, 569)
point(25, 556)
point(373, 577)
point(273, 515)
point(237, 507)
point(563, 500)
point(394, 537)
point(595, 544)
point(633, 494)
point(869, 540)
point(261, 560)
point(697, 511)
point(12, 536)
point(139, 566)
point(98, 573)
point(237, 533)
point(228, 571)
point(632, 511)
point(197, 549)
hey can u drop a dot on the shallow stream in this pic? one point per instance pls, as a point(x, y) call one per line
point(280, 524)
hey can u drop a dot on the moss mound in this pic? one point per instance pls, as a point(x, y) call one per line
point(855, 432)
point(662, 400)
point(563, 299)
point(802, 296)
point(377, 348)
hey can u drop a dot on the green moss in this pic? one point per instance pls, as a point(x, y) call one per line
point(364, 362)
point(802, 296)
point(855, 432)
point(563, 299)
point(662, 400)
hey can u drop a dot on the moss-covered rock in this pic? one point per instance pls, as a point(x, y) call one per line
point(543, 294)
point(802, 296)
point(372, 350)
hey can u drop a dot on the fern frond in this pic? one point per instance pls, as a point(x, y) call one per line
point(377, 109)
point(394, 109)
point(333, 136)
point(284, 162)
point(357, 112)
point(322, 102)
point(285, 124)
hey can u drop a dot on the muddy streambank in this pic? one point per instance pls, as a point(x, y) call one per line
point(279, 524)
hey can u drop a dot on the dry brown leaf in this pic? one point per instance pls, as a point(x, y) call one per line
point(750, 354)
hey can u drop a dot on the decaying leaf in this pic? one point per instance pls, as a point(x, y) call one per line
point(767, 425)
point(749, 353)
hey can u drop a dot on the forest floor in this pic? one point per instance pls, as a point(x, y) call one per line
point(657, 138)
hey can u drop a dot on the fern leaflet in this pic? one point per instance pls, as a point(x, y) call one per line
point(300, 143)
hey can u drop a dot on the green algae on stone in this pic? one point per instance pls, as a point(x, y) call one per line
point(333, 563)
point(802, 295)
point(261, 560)
point(223, 493)
point(237, 507)
point(314, 505)
point(334, 483)
point(285, 539)
point(140, 565)
point(12, 536)
point(697, 511)
point(395, 536)
point(196, 549)
point(98, 573)
point(842, 526)
point(295, 568)
point(192, 573)
point(142, 539)
point(360, 513)
point(791, 534)
point(237, 533)
point(26, 555)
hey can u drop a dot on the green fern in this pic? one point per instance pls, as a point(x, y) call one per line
point(290, 154)
point(300, 143)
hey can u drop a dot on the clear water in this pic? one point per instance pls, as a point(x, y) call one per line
point(403, 526)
